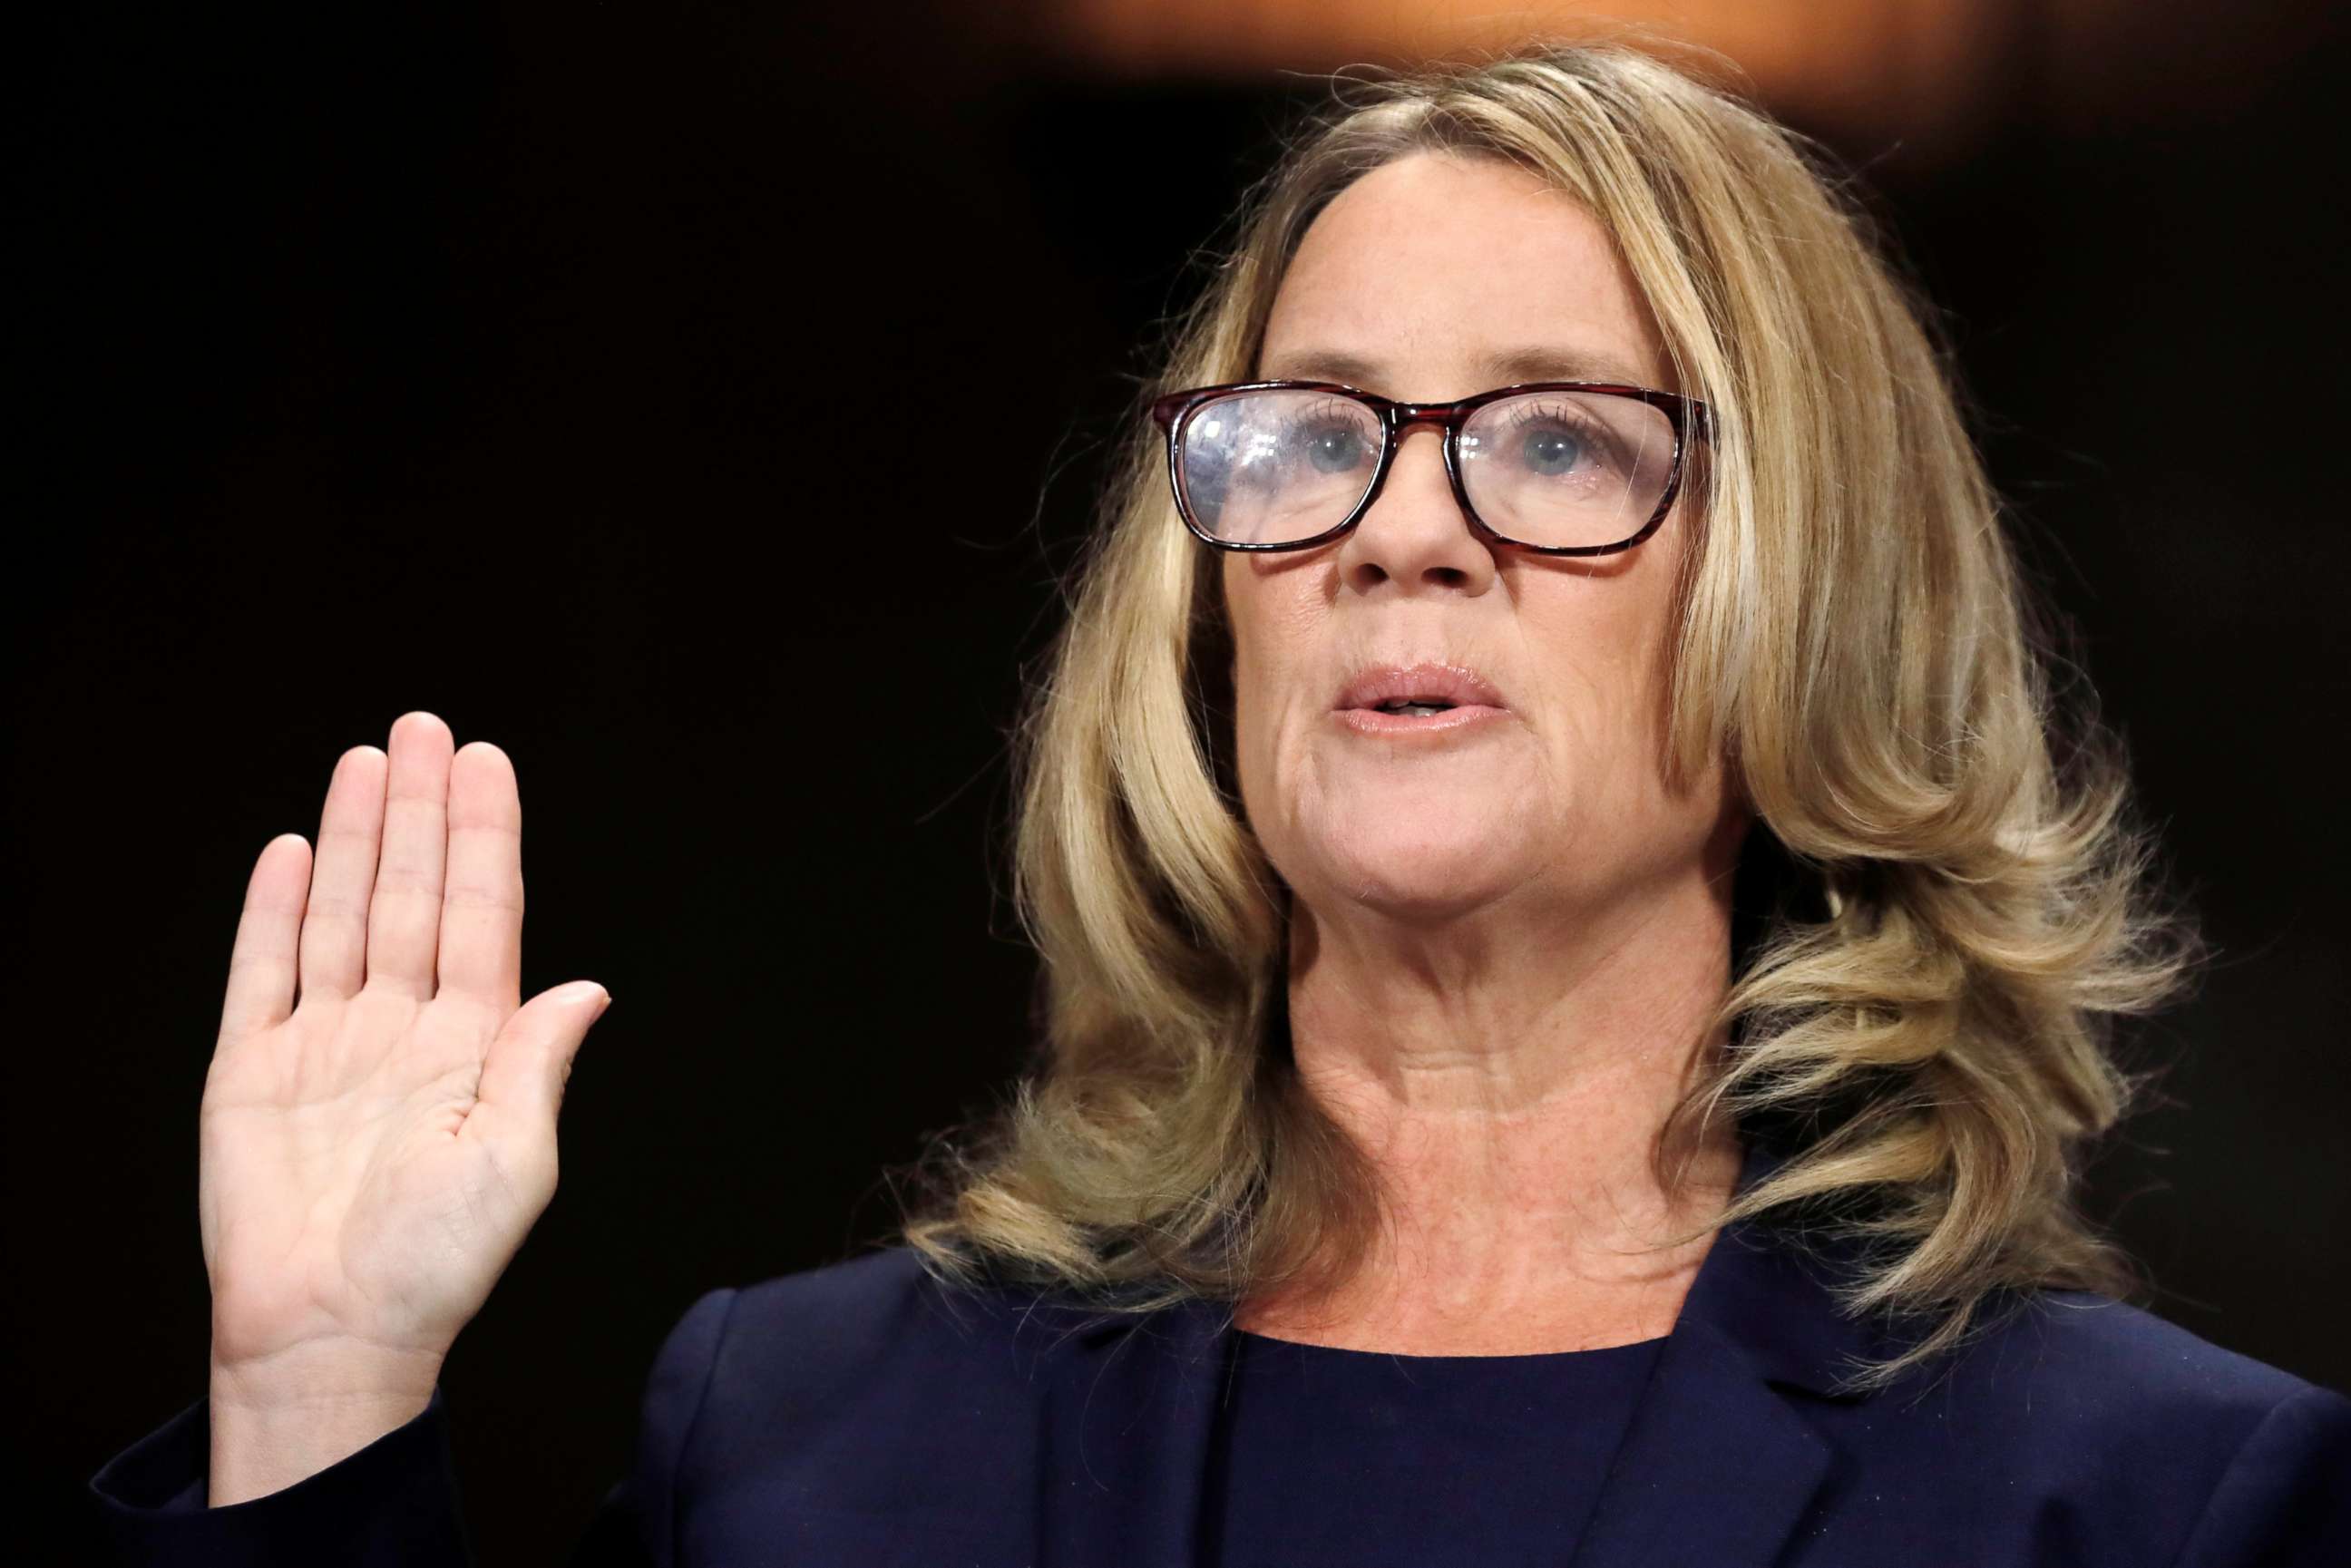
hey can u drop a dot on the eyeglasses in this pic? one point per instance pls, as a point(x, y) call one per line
point(1557, 467)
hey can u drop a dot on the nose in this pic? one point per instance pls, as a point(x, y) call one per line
point(1415, 534)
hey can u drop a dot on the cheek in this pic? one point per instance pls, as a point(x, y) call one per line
point(1606, 660)
point(1275, 625)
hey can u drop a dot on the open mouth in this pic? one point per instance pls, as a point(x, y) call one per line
point(1400, 716)
point(1432, 697)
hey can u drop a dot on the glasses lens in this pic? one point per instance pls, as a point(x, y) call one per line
point(1274, 467)
point(1567, 469)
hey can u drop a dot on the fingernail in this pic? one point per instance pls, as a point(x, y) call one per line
point(589, 991)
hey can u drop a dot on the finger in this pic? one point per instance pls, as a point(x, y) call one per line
point(261, 972)
point(529, 1062)
point(481, 912)
point(404, 913)
point(334, 920)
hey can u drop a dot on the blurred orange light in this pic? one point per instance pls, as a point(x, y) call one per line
point(1891, 65)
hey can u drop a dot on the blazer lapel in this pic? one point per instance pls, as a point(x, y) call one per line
point(1719, 1462)
point(1717, 1467)
point(1129, 1417)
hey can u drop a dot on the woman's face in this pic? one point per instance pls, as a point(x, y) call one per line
point(1432, 271)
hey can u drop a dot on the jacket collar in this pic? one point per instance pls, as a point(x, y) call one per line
point(1718, 1464)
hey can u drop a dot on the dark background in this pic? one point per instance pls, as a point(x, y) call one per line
point(604, 381)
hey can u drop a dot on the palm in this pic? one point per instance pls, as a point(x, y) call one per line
point(373, 1154)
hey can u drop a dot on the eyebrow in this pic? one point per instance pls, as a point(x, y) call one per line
point(1509, 367)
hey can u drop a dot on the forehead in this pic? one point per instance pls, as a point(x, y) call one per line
point(1437, 264)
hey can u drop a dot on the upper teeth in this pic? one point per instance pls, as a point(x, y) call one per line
point(1401, 705)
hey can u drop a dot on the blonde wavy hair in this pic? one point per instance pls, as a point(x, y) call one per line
point(1954, 900)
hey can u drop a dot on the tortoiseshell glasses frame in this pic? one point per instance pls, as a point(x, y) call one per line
point(1688, 416)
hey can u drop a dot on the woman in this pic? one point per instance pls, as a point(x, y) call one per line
point(1577, 952)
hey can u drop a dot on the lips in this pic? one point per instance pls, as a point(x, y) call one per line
point(1440, 686)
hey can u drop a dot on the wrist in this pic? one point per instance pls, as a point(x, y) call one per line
point(277, 1425)
point(324, 1372)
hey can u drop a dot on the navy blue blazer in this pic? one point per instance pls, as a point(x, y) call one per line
point(861, 1414)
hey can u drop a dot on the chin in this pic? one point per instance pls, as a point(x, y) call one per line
point(1424, 884)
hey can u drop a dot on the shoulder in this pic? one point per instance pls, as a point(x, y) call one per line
point(2087, 1358)
point(865, 1409)
point(879, 1317)
point(2070, 1363)
point(883, 1307)
point(871, 1356)
point(2109, 1433)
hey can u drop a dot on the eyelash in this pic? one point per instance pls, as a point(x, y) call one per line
point(1584, 426)
point(1333, 413)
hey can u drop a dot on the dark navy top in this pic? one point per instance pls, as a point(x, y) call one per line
point(854, 1414)
point(1353, 1458)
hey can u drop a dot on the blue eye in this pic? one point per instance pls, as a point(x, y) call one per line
point(1551, 452)
point(1552, 442)
point(1334, 448)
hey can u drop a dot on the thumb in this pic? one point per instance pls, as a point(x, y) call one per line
point(530, 1062)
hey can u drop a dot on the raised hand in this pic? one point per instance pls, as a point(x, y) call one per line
point(377, 1130)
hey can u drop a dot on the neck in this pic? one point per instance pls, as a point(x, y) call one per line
point(1508, 1087)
